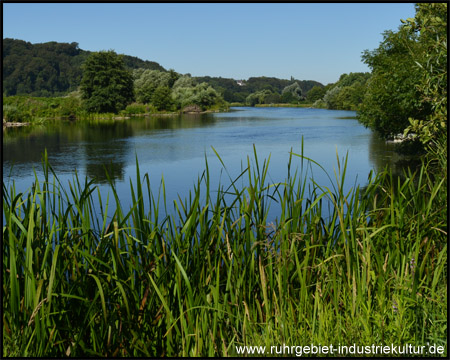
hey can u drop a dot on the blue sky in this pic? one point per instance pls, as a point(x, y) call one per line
point(307, 41)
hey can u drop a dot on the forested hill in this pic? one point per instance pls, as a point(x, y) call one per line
point(54, 69)
point(233, 91)
point(49, 69)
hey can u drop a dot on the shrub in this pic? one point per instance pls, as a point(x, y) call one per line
point(135, 108)
point(12, 113)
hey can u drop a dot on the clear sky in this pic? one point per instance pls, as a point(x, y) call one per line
point(307, 41)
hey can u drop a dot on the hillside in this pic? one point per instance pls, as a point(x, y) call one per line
point(233, 92)
point(49, 69)
point(54, 69)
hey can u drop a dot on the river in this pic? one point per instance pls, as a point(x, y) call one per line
point(175, 147)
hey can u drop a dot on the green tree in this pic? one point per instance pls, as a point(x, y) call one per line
point(295, 92)
point(161, 98)
point(106, 86)
point(273, 98)
point(184, 93)
point(206, 96)
point(316, 93)
point(430, 25)
point(146, 82)
point(396, 90)
point(174, 76)
point(331, 98)
point(257, 97)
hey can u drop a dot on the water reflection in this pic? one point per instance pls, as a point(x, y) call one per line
point(175, 146)
point(383, 154)
point(91, 143)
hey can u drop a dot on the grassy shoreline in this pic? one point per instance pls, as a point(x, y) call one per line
point(286, 105)
point(26, 110)
point(215, 275)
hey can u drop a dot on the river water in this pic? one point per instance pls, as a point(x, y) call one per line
point(175, 147)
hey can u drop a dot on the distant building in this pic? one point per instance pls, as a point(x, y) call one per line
point(240, 82)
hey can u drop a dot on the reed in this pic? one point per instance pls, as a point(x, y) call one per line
point(213, 274)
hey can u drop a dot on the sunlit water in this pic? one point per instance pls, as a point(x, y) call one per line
point(175, 147)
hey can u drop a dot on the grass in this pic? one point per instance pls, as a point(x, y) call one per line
point(214, 275)
point(304, 105)
point(38, 110)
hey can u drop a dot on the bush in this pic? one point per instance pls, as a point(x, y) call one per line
point(12, 113)
point(320, 104)
point(161, 98)
point(135, 108)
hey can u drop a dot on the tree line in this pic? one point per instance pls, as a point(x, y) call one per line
point(406, 90)
point(49, 69)
point(108, 86)
point(272, 87)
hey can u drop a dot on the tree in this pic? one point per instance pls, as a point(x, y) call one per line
point(430, 23)
point(146, 82)
point(258, 97)
point(40, 69)
point(174, 76)
point(161, 98)
point(295, 91)
point(106, 85)
point(331, 98)
point(206, 96)
point(315, 94)
point(184, 93)
point(272, 98)
point(407, 68)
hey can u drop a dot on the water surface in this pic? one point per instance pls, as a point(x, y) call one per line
point(175, 147)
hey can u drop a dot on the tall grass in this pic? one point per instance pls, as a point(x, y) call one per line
point(214, 274)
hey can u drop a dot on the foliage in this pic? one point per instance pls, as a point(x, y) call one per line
point(392, 95)
point(12, 113)
point(135, 108)
point(40, 69)
point(183, 81)
point(49, 69)
point(232, 92)
point(53, 68)
point(258, 97)
point(346, 94)
point(173, 77)
point(29, 109)
point(182, 95)
point(161, 98)
point(316, 93)
point(254, 84)
point(133, 62)
point(272, 98)
point(106, 85)
point(214, 275)
point(146, 82)
point(292, 93)
point(203, 95)
point(430, 23)
point(408, 88)
point(353, 78)
point(330, 98)
point(320, 104)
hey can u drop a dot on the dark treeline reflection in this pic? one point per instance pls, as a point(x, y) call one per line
point(383, 154)
point(92, 145)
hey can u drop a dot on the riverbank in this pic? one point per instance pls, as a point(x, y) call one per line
point(7, 124)
point(26, 110)
point(286, 105)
